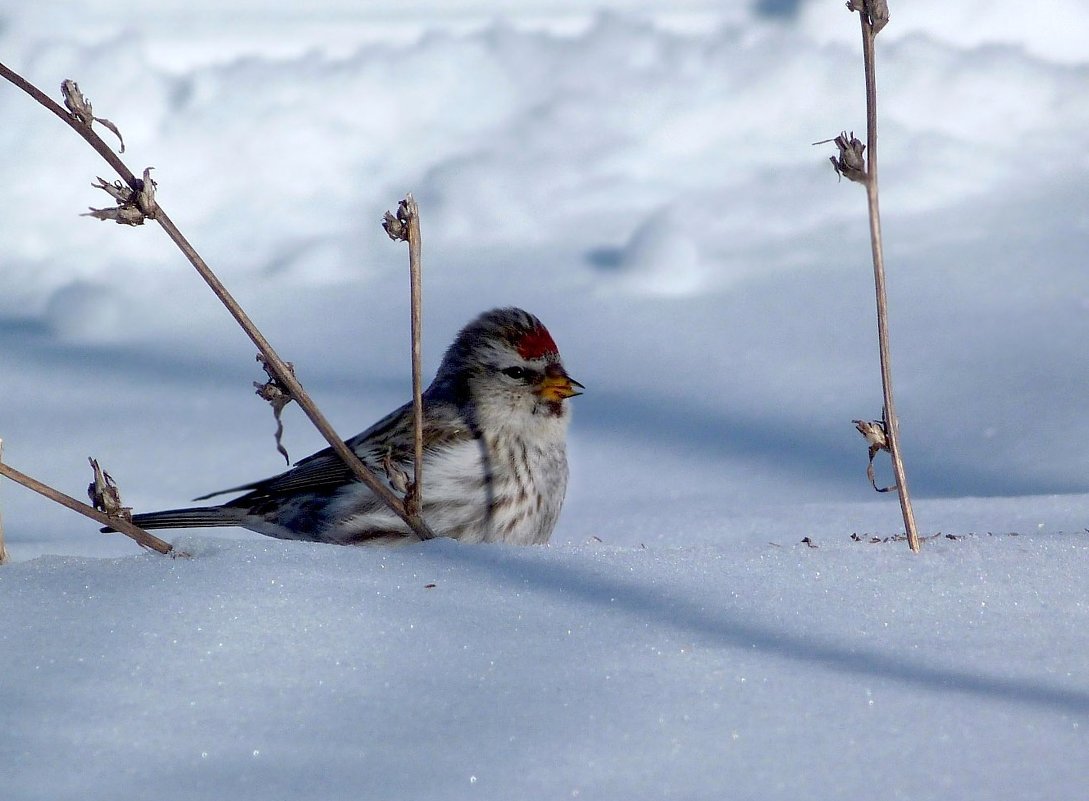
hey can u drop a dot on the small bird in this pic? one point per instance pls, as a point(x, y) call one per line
point(495, 459)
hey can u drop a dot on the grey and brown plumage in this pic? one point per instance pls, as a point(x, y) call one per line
point(495, 462)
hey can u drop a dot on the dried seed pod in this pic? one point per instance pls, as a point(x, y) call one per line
point(876, 433)
point(878, 11)
point(397, 227)
point(133, 205)
point(80, 108)
point(105, 495)
point(851, 163)
point(278, 396)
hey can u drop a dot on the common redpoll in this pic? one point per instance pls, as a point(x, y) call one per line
point(495, 462)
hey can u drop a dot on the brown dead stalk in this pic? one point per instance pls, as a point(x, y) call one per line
point(3, 549)
point(139, 187)
point(406, 227)
point(852, 164)
point(114, 518)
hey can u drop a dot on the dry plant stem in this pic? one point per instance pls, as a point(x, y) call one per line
point(3, 549)
point(120, 524)
point(274, 361)
point(416, 292)
point(92, 138)
point(287, 378)
point(891, 420)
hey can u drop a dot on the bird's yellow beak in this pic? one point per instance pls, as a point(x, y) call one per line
point(557, 386)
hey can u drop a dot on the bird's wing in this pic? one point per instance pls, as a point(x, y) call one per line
point(323, 468)
point(326, 469)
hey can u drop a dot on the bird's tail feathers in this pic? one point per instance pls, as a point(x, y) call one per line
point(195, 517)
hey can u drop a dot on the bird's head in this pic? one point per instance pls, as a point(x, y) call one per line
point(505, 364)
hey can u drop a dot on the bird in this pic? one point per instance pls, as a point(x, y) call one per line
point(495, 421)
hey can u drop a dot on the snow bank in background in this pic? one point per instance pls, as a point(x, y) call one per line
point(651, 193)
point(662, 259)
point(508, 136)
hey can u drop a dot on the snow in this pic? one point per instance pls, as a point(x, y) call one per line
point(641, 176)
point(291, 670)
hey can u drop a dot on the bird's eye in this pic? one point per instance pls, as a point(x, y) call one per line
point(517, 373)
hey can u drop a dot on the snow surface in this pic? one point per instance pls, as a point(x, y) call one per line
point(641, 176)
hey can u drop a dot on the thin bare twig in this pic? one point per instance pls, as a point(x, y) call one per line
point(874, 15)
point(116, 522)
point(3, 548)
point(406, 227)
point(415, 256)
point(278, 366)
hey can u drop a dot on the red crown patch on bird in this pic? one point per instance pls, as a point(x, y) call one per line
point(536, 343)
